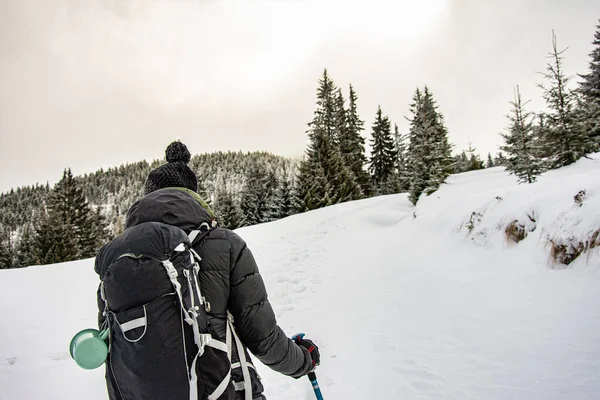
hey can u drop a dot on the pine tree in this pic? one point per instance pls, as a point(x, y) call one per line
point(490, 162)
point(25, 253)
point(6, 254)
point(340, 118)
point(500, 160)
point(520, 145)
point(475, 162)
point(441, 158)
point(284, 197)
point(55, 240)
point(314, 191)
point(401, 168)
point(228, 212)
point(256, 195)
point(590, 91)
point(590, 85)
point(352, 145)
point(323, 176)
point(429, 159)
point(565, 139)
point(76, 230)
point(383, 153)
point(417, 150)
point(461, 163)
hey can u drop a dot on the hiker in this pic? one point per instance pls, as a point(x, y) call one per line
point(233, 289)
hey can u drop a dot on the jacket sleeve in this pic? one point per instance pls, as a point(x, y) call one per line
point(254, 318)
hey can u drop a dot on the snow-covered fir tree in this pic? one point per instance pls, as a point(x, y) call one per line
point(401, 168)
point(323, 176)
point(442, 149)
point(227, 209)
point(589, 87)
point(429, 159)
point(314, 190)
point(283, 200)
point(460, 163)
point(25, 250)
point(490, 162)
point(352, 145)
point(260, 186)
point(383, 154)
point(520, 145)
point(474, 161)
point(6, 255)
point(563, 137)
point(500, 160)
point(70, 229)
point(55, 240)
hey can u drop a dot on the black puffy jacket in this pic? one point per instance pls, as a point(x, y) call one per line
point(230, 281)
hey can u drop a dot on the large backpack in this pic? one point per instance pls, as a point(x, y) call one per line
point(161, 345)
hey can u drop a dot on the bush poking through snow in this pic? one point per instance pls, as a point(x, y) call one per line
point(579, 197)
point(473, 220)
point(566, 253)
point(515, 232)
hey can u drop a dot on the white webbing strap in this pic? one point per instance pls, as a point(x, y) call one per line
point(228, 339)
point(198, 292)
point(221, 388)
point(193, 235)
point(215, 344)
point(225, 382)
point(199, 339)
point(239, 365)
point(172, 272)
point(133, 324)
point(246, 386)
point(194, 379)
point(243, 362)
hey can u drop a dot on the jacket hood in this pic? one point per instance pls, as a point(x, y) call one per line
point(174, 206)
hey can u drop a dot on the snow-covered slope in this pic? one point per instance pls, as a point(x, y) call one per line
point(401, 307)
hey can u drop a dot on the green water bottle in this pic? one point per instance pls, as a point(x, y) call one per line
point(88, 348)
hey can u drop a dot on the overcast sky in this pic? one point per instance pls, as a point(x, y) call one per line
point(89, 83)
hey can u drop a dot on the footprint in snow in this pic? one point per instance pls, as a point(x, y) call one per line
point(58, 356)
point(11, 360)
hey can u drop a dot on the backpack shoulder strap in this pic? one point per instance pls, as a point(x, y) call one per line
point(198, 234)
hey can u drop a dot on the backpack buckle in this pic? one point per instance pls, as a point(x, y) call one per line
point(194, 311)
point(172, 273)
point(207, 307)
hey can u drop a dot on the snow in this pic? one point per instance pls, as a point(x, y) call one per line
point(400, 306)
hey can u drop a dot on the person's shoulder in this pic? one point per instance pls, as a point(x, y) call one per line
point(227, 234)
point(234, 238)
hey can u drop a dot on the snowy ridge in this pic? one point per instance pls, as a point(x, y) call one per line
point(400, 307)
point(480, 205)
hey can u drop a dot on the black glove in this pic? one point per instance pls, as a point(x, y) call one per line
point(312, 348)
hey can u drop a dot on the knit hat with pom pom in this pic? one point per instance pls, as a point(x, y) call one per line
point(175, 173)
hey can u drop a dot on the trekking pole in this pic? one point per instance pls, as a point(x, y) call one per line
point(311, 375)
point(313, 380)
